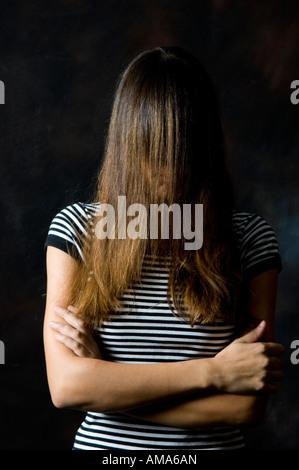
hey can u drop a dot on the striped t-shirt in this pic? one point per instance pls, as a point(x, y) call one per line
point(145, 330)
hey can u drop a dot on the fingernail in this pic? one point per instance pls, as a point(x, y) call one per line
point(59, 310)
point(53, 324)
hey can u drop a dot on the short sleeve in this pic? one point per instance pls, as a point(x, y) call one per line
point(258, 245)
point(69, 228)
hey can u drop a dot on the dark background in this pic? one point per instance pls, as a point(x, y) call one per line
point(60, 61)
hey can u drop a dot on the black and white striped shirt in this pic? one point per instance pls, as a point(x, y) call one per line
point(146, 331)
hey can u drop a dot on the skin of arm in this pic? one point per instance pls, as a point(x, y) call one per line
point(224, 409)
point(93, 384)
point(98, 385)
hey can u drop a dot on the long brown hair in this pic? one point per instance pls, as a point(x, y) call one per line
point(164, 119)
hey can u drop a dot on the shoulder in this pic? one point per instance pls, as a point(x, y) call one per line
point(70, 226)
point(247, 226)
point(78, 211)
point(244, 223)
point(73, 218)
point(257, 242)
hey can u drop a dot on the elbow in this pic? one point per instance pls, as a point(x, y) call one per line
point(61, 397)
point(66, 387)
point(72, 386)
point(68, 395)
point(64, 399)
point(59, 402)
point(65, 393)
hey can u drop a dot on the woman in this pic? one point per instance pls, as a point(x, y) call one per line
point(164, 347)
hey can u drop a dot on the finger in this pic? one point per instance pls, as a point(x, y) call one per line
point(73, 309)
point(253, 335)
point(70, 332)
point(73, 345)
point(77, 342)
point(82, 338)
point(63, 328)
point(61, 311)
point(74, 336)
point(274, 376)
point(270, 388)
point(275, 363)
point(274, 349)
point(71, 319)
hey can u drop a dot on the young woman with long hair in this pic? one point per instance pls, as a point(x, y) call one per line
point(164, 347)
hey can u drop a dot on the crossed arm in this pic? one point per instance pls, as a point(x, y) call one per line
point(230, 388)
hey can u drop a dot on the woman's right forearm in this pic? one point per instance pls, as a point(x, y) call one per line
point(102, 386)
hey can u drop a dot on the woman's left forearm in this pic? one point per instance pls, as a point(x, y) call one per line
point(205, 411)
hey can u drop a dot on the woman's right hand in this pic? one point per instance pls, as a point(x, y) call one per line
point(247, 365)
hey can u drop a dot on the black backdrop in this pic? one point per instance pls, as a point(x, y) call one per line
point(59, 63)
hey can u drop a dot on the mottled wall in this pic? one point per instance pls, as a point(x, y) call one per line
point(59, 63)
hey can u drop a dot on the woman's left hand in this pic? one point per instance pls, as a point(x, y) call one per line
point(74, 333)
